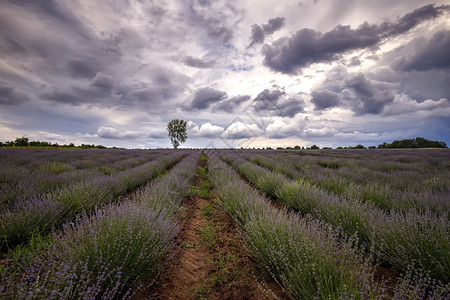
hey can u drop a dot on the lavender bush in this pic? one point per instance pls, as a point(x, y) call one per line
point(28, 173)
point(304, 256)
point(402, 183)
point(416, 284)
point(398, 239)
point(106, 255)
point(169, 191)
point(66, 203)
point(102, 256)
point(308, 259)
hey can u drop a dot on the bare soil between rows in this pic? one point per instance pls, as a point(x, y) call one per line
point(218, 270)
point(382, 274)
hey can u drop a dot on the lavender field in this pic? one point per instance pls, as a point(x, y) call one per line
point(323, 224)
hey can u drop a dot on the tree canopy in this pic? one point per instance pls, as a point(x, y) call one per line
point(177, 132)
point(25, 142)
point(418, 142)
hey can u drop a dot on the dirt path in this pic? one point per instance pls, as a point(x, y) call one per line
point(210, 260)
point(382, 274)
point(191, 262)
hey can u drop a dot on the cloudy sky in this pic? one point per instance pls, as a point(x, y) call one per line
point(241, 73)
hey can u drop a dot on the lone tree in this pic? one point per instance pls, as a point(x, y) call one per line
point(177, 132)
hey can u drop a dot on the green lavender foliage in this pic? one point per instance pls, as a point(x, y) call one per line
point(107, 254)
point(420, 239)
point(305, 256)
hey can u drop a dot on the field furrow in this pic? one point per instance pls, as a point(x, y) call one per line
point(210, 262)
point(224, 224)
point(40, 215)
point(303, 255)
point(22, 181)
point(110, 253)
point(402, 241)
point(416, 184)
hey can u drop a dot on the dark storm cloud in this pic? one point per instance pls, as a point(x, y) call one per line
point(156, 95)
point(354, 61)
point(230, 105)
point(432, 54)
point(81, 69)
point(99, 90)
point(410, 20)
point(290, 107)
point(257, 35)
point(431, 84)
point(361, 95)
point(57, 13)
point(10, 46)
point(62, 97)
point(216, 29)
point(308, 46)
point(103, 83)
point(219, 33)
point(9, 96)
point(92, 58)
point(369, 97)
point(54, 44)
point(205, 97)
point(418, 85)
point(157, 134)
point(273, 103)
point(324, 99)
point(273, 25)
point(204, 2)
point(150, 97)
point(259, 32)
point(267, 99)
point(420, 67)
point(198, 63)
point(156, 13)
point(49, 8)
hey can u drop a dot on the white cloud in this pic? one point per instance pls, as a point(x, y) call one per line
point(319, 132)
point(280, 129)
point(113, 133)
point(206, 130)
point(241, 130)
point(209, 130)
point(357, 135)
point(403, 104)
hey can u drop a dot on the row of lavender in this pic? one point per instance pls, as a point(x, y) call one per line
point(25, 173)
point(40, 213)
point(400, 240)
point(108, 254)
point(308, 257)
point(394, 179)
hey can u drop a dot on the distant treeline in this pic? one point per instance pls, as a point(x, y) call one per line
point(25, 142)
point(418, 142)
